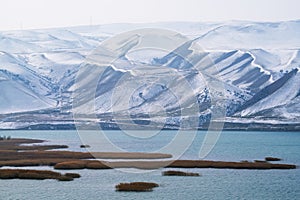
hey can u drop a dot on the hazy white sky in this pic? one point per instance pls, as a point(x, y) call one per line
point(27, 14)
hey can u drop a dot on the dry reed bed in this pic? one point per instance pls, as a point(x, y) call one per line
point(36, 174)
point(9, 156)
point(92, 164)
point(136, 187)
point(179, 173)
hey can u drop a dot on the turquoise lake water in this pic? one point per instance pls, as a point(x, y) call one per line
point(213, 184)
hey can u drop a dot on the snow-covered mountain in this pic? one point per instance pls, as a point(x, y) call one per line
point(250, 69)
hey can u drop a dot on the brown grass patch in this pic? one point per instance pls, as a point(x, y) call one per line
point(92, 164)
point(272, 159)
point(35, 174)
point(260, 161)
point(72, 175)
point(179, 173)
point(81, 164)
point(32, 162)
point(65, 178)
point(37, 156)
point(15, 145)
point(76, 164)
point(228, 165)
point(136, 187)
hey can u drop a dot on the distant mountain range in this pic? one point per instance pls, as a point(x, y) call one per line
point(256, 63)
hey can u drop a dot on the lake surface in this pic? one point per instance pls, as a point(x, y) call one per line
point(213, 184)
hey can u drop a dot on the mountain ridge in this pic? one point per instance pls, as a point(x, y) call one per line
point(248, 58)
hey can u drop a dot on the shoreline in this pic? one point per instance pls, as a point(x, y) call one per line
point(53, 128)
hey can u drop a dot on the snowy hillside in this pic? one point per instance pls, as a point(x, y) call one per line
point(257, 65)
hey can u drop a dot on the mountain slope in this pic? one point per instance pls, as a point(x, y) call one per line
point(249, 69)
